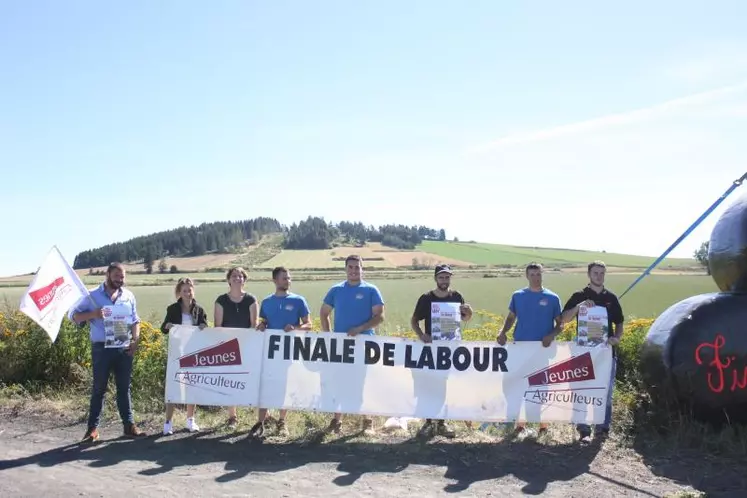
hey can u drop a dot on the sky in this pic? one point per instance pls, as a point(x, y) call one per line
point(564, 124)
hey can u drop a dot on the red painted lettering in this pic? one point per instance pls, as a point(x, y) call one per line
point(738, 383)
point(720, 366)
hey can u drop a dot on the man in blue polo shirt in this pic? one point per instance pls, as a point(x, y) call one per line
point(358, 308)
point(114, 333)
point(537, 314)
point(282, 310)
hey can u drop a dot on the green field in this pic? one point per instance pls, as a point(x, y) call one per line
point(648, 299)
point(496, 254)
point(314, 258)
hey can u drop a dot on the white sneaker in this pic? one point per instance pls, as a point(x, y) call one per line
point(167, 429)
point(192, 425)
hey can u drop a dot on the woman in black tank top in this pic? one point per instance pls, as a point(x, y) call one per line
point(235, 309)
point(237, 314)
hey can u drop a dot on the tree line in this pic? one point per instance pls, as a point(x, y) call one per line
point(228, 236)
point(316, 233)
point(220, 237)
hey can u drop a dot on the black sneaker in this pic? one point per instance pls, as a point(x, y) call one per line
point(584, 435)
point(281, 428)
point(442, 429)
point(257, 429)
point(334, 426)
point(427, 430)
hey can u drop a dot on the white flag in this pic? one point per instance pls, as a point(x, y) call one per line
point(53, 291)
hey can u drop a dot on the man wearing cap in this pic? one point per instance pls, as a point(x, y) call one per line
point(446, 327)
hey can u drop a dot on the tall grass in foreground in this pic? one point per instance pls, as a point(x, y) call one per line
point(30, 365)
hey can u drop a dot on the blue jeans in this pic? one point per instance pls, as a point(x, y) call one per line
point(608, 411)
point(105, 361)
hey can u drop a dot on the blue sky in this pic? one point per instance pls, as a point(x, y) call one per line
point(503, 121)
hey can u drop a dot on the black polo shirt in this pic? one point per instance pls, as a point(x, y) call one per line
point(423, 306)
point(605, 298)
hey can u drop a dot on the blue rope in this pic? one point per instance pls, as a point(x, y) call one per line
point(708, 211)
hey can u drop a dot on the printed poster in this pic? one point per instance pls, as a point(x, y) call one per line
point(445, 322)
point(117, 322)
point(593, 326)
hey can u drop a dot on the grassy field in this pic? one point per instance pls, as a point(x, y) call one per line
point(391, 269)
point(268, 253)
point(496, 254)
point(649, 298)
point(374, 255)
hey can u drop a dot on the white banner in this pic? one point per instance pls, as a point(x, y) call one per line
point(389, 376)
point(218, 366)
point(54, 290)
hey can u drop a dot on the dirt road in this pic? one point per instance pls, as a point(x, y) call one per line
point(40, 456)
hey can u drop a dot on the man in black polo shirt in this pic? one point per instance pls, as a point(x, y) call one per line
point(446, 328)
point(592, 296)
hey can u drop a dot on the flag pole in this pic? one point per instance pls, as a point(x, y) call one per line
point(687, 232)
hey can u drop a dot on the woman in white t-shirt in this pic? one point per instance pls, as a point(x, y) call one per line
point(185, 311)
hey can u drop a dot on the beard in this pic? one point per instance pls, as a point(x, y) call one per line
point(112, 284)
point(443, 287)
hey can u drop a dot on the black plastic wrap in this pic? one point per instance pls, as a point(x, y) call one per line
point(696, 352)
point(727, 252)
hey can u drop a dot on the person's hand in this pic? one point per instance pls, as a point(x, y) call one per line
point(132, 348)
point(168, 326)
point(466, 311)
point(97, 313)
point(262, 326)
point(613, 341)
point(501, 338)
point(547, 340)
point(289, 328)
point(202, 326)
point(588, 303)
point(426, 338)
point(354, 331)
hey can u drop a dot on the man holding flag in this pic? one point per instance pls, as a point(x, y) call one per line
point(111, 311)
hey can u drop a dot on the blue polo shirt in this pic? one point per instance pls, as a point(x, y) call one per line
point(122, 297)
point(353, 305)
point(279, 311)
point(535, 312)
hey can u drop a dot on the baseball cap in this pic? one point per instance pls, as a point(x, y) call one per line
point(443, 269)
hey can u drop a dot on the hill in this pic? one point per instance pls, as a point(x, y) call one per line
point(316, 245)
point(269, 253)
point(507, 255)
point(220, 237)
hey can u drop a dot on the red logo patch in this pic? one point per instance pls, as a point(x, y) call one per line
point(45, 295)
point(577, 369)
point(222, 354)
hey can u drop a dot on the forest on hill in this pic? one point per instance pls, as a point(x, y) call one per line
point(231, 236)
point(315, 233)
point(220, 236)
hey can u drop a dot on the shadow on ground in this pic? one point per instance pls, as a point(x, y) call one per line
point(465, 463)
point(689, 460)
point(462, 464)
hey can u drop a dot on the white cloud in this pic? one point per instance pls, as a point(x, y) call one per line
point(656, 168)
point(638, 115)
